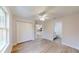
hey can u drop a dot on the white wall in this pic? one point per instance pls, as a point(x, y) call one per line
point(71, 31)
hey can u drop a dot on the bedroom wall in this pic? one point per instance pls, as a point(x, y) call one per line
point(70, 30)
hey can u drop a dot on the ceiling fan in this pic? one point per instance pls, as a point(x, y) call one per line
point(44, 15)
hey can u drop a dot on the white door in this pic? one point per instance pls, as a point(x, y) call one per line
point(58, 28)
point(25, 32)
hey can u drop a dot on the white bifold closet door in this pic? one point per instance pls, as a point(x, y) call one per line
point(25, 32)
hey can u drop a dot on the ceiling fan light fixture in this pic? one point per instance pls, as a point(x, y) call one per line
point(42, 19)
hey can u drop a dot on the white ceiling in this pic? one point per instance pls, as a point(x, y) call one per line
point(26, 11)
point(31, 12)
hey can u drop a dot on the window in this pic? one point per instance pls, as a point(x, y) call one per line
point(3, 29)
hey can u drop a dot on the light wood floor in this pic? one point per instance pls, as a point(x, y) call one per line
point(43, 46)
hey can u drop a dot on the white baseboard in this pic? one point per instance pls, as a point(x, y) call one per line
point(73, 46)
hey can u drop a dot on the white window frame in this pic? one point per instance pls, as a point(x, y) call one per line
point(7, 30)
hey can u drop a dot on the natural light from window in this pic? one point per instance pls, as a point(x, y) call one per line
point(3, 29)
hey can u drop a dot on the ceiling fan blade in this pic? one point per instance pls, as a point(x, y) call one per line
point(45, 11)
